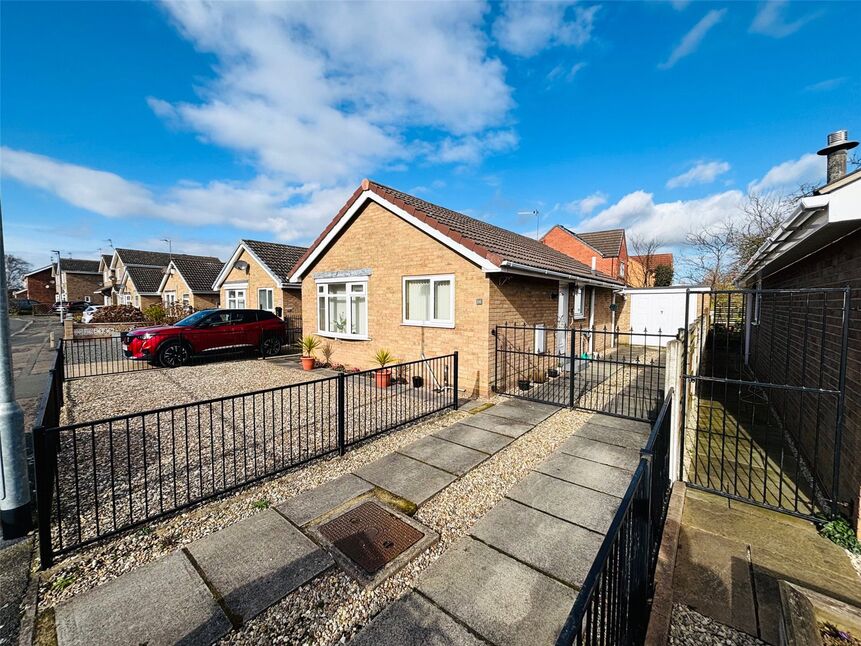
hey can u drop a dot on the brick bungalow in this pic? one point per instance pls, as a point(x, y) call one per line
point(818, 246)
point(39, 285)
point(257, 276)
point(76, 279)
point(108, 288)
point(188, 281)
point(138, 275)
point(394, 271)
point(606, 251)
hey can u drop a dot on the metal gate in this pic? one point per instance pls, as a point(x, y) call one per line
point(606, 371)
point(764, 375)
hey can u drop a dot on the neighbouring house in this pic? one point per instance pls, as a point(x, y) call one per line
point(257, 276)
point(642, 268)
point(108, 288)
point(39, 285)
point(188, 282)
point(397, 272)
point(605, 251)
point(76, 279)
point(137, 275)
point(818, 246)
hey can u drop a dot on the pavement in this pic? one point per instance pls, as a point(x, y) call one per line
point(731, 556)
point(221, 581)
point(31, 357)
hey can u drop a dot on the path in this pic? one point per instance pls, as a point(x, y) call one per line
point(221, 581)
point(731, 556)
point(514, 579)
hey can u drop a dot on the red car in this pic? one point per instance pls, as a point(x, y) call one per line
point(205, 332)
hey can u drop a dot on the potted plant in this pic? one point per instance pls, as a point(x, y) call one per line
point(552, 373)
point(327, 351)
point(309, 344)
point(418, 381)
point(523, 384)
point(383, 376)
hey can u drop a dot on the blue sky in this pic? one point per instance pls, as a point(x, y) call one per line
point(206, 123)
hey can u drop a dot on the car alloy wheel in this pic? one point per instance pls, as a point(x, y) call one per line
point(174, 355)
point(270, 346)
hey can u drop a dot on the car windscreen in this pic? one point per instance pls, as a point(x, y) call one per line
point(193, 319)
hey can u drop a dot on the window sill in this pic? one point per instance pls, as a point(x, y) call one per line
point(447, 326)
point(343, 337)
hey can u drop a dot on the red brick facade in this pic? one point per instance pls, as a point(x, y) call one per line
point(563, 240)
point(40, 286)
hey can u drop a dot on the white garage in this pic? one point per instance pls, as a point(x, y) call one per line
point(661, 308)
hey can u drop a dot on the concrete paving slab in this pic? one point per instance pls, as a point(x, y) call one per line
point(608, 454)
point(548, 544)
point(504, 601)
point(615, 436)
point(258, 561)
point(405, 477)
point(495, 424)
point(165, 602)
point(586, 473)
point(642, 428)
point(712, 576)
point(317, 502)
point(585, 507)
point(521, 410)
point(442, 454)
point(412, 620)
point(474, 438)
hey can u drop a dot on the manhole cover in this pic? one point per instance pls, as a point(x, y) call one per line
point(370, 536)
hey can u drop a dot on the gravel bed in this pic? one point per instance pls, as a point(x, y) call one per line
point(690, 628)
point(332, 608)
point(100, 563)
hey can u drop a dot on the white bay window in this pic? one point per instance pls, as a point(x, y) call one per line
point(342, 309)
point(429, 300)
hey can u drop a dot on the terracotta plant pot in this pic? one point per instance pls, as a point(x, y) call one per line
point(308, 363)
point(418, 381)
point(383, 378)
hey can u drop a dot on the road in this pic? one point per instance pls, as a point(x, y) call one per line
point(32, 358)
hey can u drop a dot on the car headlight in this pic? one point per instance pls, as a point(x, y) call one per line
point(148, 335)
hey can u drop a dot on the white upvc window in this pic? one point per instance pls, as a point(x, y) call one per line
point(578, 302)
point(169, 298)
point(137, 300)
point(266, 299)
point(428, 300)
point(342, 309)
point(236, 299)
point(622, 269)
point(86, 299)
point(186, 299)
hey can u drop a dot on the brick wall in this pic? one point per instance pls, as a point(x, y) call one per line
point(795, 361)
point(35, 286)
point(561, 240)
point(289, 300)
point(80, 287)
point(391, 249)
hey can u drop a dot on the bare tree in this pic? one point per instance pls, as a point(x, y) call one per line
point(711, 261)
point(15, 269)
point(645, 249)
point(762, 214)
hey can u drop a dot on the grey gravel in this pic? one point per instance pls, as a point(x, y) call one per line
point(690, 628)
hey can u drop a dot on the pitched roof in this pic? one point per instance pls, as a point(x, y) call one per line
point(279, 258)
point(145, 279)
point(106, 258)
point(498, 246)
point(154, 258)
point(607, 243)
point(198, 272)
point(657, 259)
point(77, 265)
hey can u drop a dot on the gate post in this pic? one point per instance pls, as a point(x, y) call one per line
point(456, 391)
point(341, 422)
point(44, 454)
point(673, 378)
point(571, 372)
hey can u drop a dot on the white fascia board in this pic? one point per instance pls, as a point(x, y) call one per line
point(483, 263)
point(845, 203)
point(222, 276)
point(526, 270)
point(278, 282)
point(166, 276)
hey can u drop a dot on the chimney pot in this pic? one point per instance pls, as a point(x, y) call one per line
point(835, 152)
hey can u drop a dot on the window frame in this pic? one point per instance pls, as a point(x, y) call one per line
point(321, 287)
point(235, 299)
point(271, 298)
point(621, 269)
point(186, 299)
point(581, 313)
point(432, 278)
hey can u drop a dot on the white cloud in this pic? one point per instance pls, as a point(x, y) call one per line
point(679, 5)
point(586, 205)
point(264, 204)
point(668, 222)
point(323, 92)
point(789, 175)
point(770, 20)
point(525, 28)
point(691, 40)
point(564, 72)
point(827, 84)
point(471, 149)
point(703, 172)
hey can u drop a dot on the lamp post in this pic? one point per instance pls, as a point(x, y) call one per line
point(15, 514)
point(60, 285)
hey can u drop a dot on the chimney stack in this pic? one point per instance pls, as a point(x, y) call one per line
point(835, 151)
point(594, 264)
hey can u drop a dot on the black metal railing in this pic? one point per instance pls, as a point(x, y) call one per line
point(293, 325)
point(613, 605)
point(97, 479)
point(604, 370)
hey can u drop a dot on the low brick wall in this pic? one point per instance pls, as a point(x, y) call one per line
point(96, 330)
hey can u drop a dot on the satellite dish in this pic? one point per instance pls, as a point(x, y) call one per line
point(241, 265)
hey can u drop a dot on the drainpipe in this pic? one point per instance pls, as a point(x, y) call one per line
point(592, 321)
point(613, 321)
point(15, 514)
